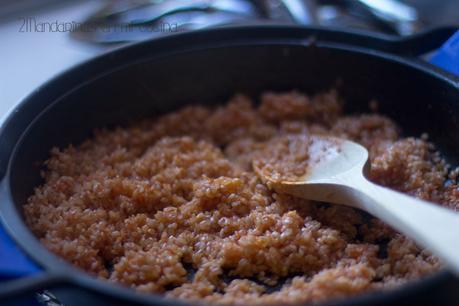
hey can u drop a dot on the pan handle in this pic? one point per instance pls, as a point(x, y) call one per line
point(21, 279)
point(439, 46)
point(20, 288)
point(20, 276)
point(421, 43)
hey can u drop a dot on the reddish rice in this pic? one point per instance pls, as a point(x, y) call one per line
point(145, 205)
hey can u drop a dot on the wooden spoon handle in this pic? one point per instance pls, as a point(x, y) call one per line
point(430, 225)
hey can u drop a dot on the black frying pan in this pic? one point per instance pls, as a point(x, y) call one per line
point(207, 67)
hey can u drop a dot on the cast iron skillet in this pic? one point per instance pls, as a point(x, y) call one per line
point(207, 67)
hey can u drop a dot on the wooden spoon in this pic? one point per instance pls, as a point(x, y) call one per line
point(336, 174)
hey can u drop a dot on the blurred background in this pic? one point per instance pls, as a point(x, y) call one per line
point(42, 38)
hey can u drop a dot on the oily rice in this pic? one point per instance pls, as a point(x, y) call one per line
point(172, 205)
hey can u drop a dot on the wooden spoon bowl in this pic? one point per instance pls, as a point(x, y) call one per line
point(336, 174)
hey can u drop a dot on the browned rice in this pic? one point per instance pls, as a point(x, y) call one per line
point(145, 205)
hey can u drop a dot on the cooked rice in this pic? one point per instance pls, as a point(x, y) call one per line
point(172, 206)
